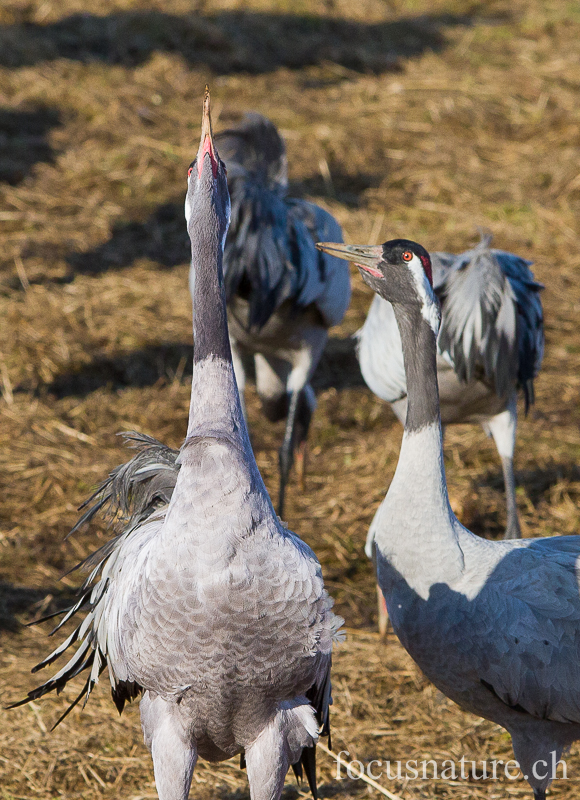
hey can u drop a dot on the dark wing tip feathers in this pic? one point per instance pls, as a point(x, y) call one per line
point(307, 765)
point(125, 692)
point(319, 696)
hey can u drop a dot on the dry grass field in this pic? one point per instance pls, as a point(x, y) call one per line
point(417, 118)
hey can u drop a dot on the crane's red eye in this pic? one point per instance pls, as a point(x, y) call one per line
point(407, 255)
point(189, 171)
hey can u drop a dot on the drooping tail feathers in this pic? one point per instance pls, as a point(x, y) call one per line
point(135, 489)
point(128, 500)
point(492, 324)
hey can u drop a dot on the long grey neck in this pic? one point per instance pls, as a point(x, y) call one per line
point(420, 475)
point(420, 357)
point(210, 327)
point(415, 528)
point(215, 402)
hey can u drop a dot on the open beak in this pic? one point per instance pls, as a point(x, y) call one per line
point(206, 142)
point(366, 257)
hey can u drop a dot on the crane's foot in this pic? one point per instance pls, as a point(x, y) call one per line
point(383, 615)
point(300, 465)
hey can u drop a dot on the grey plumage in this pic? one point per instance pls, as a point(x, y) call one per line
point(204, 603)
point(135, 489)
point(492, 320)
point(282, 293)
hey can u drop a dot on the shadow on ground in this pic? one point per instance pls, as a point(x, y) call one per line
point(232, 41)
point(32, 603)
point(166, 363)
point(162, 236)
point(23, 141)
point(539, 483)
point(140, 368)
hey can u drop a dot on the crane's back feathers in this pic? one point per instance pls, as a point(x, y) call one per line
point(270, 255)
point(492, 324)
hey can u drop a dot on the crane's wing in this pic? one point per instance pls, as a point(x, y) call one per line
point(325, 279)
point(478, 328)
point(257, 244)
point(522, 629)
point(491, 325)
point(135, 489)
point(530, 319)
point(92, 633)
point(133, 500)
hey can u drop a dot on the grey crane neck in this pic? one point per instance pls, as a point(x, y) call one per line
point(419, 354)
point(210, 326)
point(215, 402)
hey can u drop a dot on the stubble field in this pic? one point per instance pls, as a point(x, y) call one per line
point(421, 119)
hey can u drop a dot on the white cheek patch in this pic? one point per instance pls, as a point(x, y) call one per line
point(187, 209)
point(429, 309)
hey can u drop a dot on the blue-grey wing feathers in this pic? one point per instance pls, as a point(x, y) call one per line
point(270, 255)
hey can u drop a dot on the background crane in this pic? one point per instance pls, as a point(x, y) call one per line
point(490, 344)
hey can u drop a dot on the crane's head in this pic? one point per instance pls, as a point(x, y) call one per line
point(207, 202)
point(399, 271)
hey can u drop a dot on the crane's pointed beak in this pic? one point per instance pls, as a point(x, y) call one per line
point(366, 257)
point(206, 143)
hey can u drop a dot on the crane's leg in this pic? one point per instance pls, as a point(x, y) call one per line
point(503, 429)
point(273, 375)
point(295, 435)
point(302, 404)
point(383, 615)
point(271, 378)
point(279, 745)
point(539, 794)
point(171, 744)
point(239, 372)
